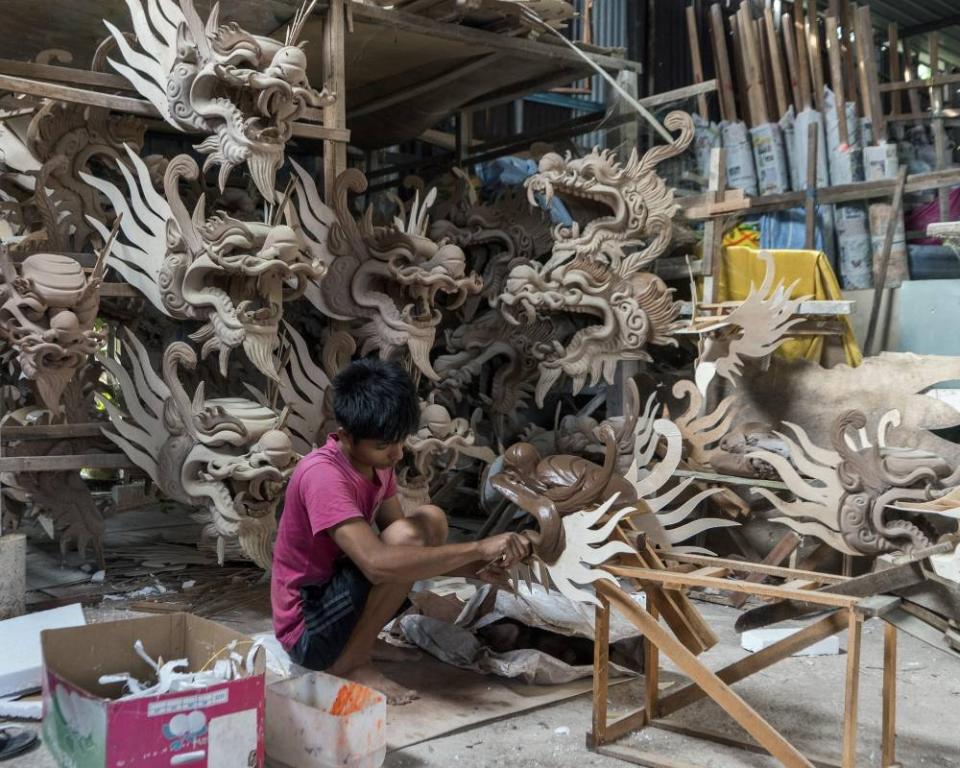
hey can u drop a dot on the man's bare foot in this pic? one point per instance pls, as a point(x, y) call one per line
point(384, 651)
point(371, 677)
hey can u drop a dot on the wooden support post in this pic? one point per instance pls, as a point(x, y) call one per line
point(766, 69)
point(852, 690)
point(776, 64)
point(651, 669)
point(740, 67)
point(601, 669)
point(712, 247)
point(939, 133)
point(734, 705)
point(889, 733)
point(869, 78)
point(880, 270)
point(893, 38)
point(849, 63)
point(728, 107)
point(836, 79)
point(335, 80)
point(695, 59)
point(752, 68)
point(780, 552)
point(810, 204)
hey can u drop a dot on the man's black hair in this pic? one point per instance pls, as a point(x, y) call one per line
point(376, 400)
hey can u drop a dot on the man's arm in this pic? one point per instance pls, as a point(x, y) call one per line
point(389, 512)
point(384, 563)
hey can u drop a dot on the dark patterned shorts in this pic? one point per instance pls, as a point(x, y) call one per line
point(330, 612)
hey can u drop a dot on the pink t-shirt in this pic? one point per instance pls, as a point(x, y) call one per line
point(325, 490)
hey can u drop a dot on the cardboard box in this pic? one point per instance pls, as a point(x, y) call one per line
point(86, 726)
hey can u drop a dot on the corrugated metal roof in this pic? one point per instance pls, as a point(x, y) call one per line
point(910, 13)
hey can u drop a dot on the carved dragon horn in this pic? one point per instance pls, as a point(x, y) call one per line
point(182, 167)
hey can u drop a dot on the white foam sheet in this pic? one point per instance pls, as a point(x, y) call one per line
point(21, 662)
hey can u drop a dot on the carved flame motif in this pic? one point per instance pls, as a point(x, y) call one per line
point(230, 456)
point(842, 495)
point(594, 275)
point(231, 275)
point(389, 277)
point(245, 90)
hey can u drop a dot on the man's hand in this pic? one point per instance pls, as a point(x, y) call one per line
point(507, 549)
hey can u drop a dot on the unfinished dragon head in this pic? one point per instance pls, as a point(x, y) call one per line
point(229, 456)
point(233, 276)
point(593, 274)
point(611, 318)
point(242, 89)
point(391, 278)
point(47, 314)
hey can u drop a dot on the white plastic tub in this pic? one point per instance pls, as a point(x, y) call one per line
point(318, 720)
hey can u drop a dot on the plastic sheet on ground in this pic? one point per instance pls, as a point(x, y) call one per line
point(458, 645)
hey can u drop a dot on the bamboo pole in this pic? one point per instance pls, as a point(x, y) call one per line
point(695, 59)
point(776, 63)
point(836, 78)
point(728, 107)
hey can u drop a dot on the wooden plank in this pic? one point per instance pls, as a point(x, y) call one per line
point(638, 757)
point(743, 567)
point(712, 248)
point(681, 580)
point(67, 75)
point(65, 463)
point(728, 107)
point(601, 669)
point(803, 59)
point(651, 670)
point(713, 477)
point(888, 741)
point(418, 89)
point(810, 198)
point(53, 431)
point(695, 60)
point(720, 692)
point(904, 85)
point(880, 272)
point(776, 63)
point(836, 80)
point(521, 47)
point(739, 67)
point(752, 67)
point(852, 689)
point(869, 78)
point(816, 57)
point(749, 665)
point(939, 133)
point(893, 52)
point(790, 48)
point(849, 58)
point(118, 290)
point(780, 552)
point(335, 74)
point(730, 741)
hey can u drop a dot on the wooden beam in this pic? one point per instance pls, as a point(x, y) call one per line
point(601, 669)
point(903, 85)
point(335, 80)
point(893, 52)
point(816, 57)
point(869, 78)
point(836, 80)
point(790, 48)
point(67, 75)
point(888, 743)
point(771, 739)
point(810, 197)
point(781, 551)
point(852, 689)
point(739, 566)
point(684, 580)
point(418, 89)
point(542, 82)
point(930, 26)
point(776, 63)
point(65, 463)
point(53, 431)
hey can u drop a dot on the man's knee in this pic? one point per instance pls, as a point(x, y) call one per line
point(433, 522)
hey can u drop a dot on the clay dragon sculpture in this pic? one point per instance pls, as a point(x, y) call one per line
point(595, 274)
point(244, 90)
point(47, 315)
point(843, 495)
point(231, 275)
point(230, 456)
point(387, 277)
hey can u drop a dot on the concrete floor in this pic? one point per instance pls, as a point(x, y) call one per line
point(801, 696)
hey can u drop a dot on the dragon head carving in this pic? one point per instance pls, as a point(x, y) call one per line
point(233, 276)
point(244, 90)
point(594, 272)
point(230, 456)
point(47, 315)
point(388, 277)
